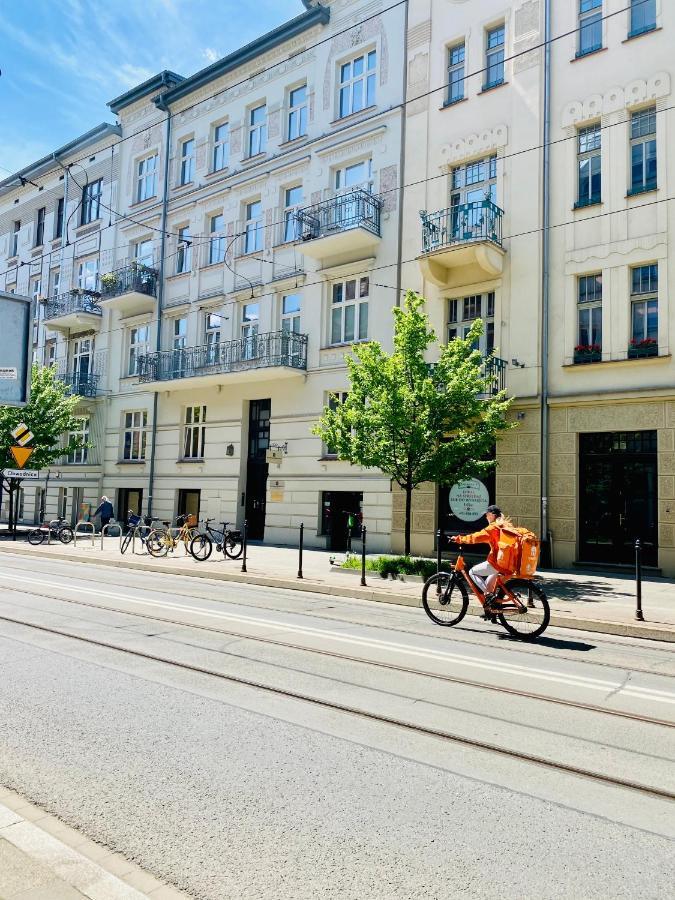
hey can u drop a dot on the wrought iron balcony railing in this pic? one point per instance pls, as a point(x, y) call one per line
point(76, 301)
point(493, 369)
point(480, 220)
point(277, 348)
point(134, 277)
point(358, 209)
point(82, 384)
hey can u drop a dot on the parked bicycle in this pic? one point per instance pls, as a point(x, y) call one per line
point(140, 527)
point(227, 540)
point(57, 529)
point(521, 606)
point(162, 541)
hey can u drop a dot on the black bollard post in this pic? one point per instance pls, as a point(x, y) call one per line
point(439, 560)
point(363, 555)
point(638, 579)
point(245, 541)
point(302, 538)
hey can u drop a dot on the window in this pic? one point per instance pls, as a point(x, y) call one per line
point(87, 277)
point(62, 509)
point(184, 252)
point(297, 112)
point(179, 334)
point(292, 203)
point(250, 320)
point(589, 158)
point(50, 352)
point(36, 289)
point(456, 56)
point(257, 130)
point(135, 435)
point(590, 26)
point(642, 16)
point(643, 150)
point(147, 179)
point(357, 83)
point(15, 238)
point(461, 314)
point(494, 57)
point(139, 342)
point(253, 231)
point(335, 398)
point(83, 352)
point(290, 313)
point(56, 282)
point(589, 312)
point(349, 311)
point(221, 146)
point(645, 304)
point(187, 161)
point(357, 175)
point(40, 227)
point(143, 253)
point(212, 335)
point(91, 201)
point(194, 432)
point(82, 432)
point(58, 230)
point(217, 241)
point(470, 185)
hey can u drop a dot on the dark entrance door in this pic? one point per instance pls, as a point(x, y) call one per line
point(129, 499)
point(188, 502)
point(336, 507)
point(618, 496)
point(259, 415)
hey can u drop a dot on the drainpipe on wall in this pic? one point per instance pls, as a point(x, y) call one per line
point(545, 274)
point(160, 295)
point(401, 164)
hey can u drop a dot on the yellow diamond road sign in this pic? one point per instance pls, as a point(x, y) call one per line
point(21, 455)
point(22, 435)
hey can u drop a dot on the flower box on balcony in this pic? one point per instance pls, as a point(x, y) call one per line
point(645, 347)
point(587, 353)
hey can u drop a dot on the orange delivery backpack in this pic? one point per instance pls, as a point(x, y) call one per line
point(518, 551)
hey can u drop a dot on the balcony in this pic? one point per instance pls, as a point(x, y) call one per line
point(82, 384)
point(494, 369)
point(346, 224)
point(262, 357)
point(131, 290)
point(462, 244)
point(78, 310)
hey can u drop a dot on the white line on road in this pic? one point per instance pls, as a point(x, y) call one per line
point(596, 684)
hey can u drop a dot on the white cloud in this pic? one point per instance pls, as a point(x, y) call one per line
point(129, 75)
point(210, 54)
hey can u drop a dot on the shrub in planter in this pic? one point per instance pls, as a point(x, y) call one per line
point(109, 282)
point(644, 347)
point(587, 353)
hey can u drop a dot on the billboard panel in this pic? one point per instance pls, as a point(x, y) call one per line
point(16, 341)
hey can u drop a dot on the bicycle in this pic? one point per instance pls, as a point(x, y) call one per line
point(57, 528)
point(140, 528)
point(227, 540)
point(521, 608)
point(159, 542)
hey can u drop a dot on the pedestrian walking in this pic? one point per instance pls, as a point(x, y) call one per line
point(105, 511)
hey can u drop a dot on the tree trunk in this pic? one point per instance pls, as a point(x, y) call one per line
point(408, 516)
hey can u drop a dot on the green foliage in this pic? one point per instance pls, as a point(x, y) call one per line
point(394, 565)
point(413, 422)
point(48, 414)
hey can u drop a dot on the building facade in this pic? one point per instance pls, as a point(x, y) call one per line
point(507, 160)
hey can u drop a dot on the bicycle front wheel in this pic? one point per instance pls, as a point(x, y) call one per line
point(445, 598)
point(36, 536)
point(233, 546)
point(157, 544)
point(126, 541)
point(201, 547)
point(536, 614)
point(66, 534)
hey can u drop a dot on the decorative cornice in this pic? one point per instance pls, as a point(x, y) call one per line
point(475, 144)
point(616, 99)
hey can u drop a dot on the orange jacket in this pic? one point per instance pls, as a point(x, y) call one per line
point(489, 535)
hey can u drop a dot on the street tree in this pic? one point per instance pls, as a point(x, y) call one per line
point(416, 422)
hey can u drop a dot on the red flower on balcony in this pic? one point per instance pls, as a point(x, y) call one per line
point(588, 348)
point(644, 342)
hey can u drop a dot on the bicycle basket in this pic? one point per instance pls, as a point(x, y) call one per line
point(134, 520)
point(190, 520)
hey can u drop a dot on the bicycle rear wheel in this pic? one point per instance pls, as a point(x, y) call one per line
point(233, 546)
point(36, 536)
point(66, 534)
point(534, 620)
point(445, 598)
point(157, 544)
point(201, 547)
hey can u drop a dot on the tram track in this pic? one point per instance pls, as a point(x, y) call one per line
point(332, 705)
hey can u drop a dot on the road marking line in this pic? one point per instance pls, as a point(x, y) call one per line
point(637, 692)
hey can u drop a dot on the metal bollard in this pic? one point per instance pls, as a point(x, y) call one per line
point(363, 555)
point(245, 538)
point(302, 540)
point(638, 579)
point(439, 558)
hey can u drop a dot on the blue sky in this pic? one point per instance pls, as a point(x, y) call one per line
point(63, 60)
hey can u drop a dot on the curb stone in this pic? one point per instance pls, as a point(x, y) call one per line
point(657, 632)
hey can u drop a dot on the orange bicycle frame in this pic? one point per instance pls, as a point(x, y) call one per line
point(460, 567)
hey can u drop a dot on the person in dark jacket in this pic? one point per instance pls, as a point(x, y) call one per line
point(105, 511)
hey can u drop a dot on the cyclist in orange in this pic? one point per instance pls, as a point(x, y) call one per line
point(485, 574)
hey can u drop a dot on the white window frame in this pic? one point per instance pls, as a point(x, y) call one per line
point(456, 72)
point(79, 457)
point(349, 315)
point(253, 227)
point(144, 253)
point(40, 226)
point(297, 113)
point(213, 336)
point(187, 161)
point(257, 131)
point(589, 308)
point(135, 428)
point(16, 228)
point(194, 432)
point(357, 82)
point(55, 278)
point(643, 136)
point(87, 274)
point(146, 178)
point(495, 54)
point(463, 311)
point(220, 157)
point(589, 149)
point(217, 240)
point(344, 180)
point(590, 20)
point(91, 201)
point(646, 296)
point(184, 251)
point(138, 344)
point(332, 401)
point(291, 206)
point(639, 12)
point(291, 312)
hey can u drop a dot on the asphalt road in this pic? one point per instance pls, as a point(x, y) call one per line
point(234, 791)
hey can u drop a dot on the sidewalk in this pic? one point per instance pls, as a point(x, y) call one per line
point(41, 858)
point(579, 599)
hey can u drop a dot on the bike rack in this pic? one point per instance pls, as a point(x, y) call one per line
point(86, 526)
point(137, 530)
point(105, 529)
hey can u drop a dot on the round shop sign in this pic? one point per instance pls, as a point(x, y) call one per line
point(469, 499)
